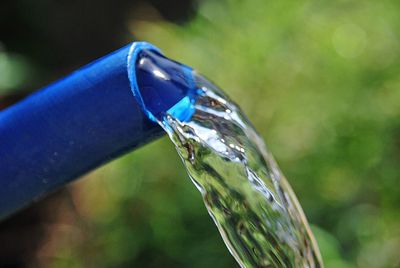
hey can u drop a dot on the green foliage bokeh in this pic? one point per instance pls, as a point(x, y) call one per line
point(320, 81)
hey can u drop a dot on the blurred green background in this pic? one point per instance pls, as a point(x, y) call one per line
point(319, 80)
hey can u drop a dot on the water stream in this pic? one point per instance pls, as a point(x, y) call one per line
point(247, 196)
point(245, 193)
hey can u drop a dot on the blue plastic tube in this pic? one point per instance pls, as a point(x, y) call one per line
point(78, 123)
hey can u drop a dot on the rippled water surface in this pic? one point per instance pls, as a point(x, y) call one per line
point(250, 201)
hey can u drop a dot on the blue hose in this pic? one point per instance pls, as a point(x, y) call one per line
point(74, 125)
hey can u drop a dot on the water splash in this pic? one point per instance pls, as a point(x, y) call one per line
point(249, 199)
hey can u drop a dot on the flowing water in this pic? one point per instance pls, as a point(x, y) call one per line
point(250, 201)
